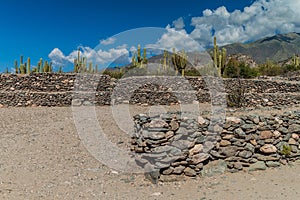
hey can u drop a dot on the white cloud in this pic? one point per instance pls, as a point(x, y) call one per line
point(175, 39)
point(262, 18)
point(108, 41)
point(99, 57)
point(179, 23)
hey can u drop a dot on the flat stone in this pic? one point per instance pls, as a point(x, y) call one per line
point(198, 158)
point(292, 141)
point(201, 120)
point(228, 151)
point(158, 123)
point(294, 128)
point(174, 125)
point(268, 148)
point(227, 137)
point(178, 170)
point(240, 133)
point(266, 158)
point(253, 142)
point(272, 164)
point(225, 143)
point(295, 136)
point(259, 165)
point(168, 171)
point(238, 165)
point(245, 154)
point(196, 149)
point(169, 134)
point(213, 168)
point(265, 135)
point(233, 119)
point(189, 172)
point(276, 134)
point(250, 147)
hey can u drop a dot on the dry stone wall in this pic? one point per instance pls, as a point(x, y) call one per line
point(52, 89)
point(173, 145)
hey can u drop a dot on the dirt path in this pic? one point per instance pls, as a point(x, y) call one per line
point(42, 157)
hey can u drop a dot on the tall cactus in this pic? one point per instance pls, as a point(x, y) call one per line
point(28, 66)
point(179, 61)
point(16, 67)
point(219, 57)
point(139, 60)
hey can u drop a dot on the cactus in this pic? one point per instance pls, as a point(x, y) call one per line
point(179, 61)
point(22, 69)
point(40, 66)
point(295, 60)
point(138, 60)
point(28, 66)
point(60, 70)
point(16, 67)
point(21, 60)
point(219, 57)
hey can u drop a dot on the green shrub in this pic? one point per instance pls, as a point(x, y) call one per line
point(286, 150)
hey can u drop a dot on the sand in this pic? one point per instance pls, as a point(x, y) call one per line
point(43, 157)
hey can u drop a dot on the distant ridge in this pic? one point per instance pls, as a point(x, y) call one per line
point(276, 48)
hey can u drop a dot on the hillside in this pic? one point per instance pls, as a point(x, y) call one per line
point(277, 48)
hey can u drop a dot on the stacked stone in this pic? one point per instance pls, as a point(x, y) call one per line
point(173, 145)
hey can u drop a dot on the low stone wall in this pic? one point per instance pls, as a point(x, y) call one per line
point(54, 89)
point(173, 145)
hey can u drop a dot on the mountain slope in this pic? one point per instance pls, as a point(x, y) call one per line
point(277, 48)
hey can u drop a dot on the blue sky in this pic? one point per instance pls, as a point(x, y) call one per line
point(54, 29)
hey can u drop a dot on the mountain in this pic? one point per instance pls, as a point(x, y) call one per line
point(276, 48)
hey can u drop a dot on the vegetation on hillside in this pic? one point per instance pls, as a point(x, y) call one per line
point(170, 63)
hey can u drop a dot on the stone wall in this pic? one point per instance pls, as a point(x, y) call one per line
point(51, 89)
point(173, 145)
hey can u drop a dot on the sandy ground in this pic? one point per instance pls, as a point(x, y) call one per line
point(43, 157)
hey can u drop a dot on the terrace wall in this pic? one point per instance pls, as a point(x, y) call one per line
point(52, 89)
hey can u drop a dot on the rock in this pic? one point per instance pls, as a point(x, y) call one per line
point(227, 137)
point(207, 146)
point(240, 133)
point(198, 158)
point(294, 128)
point(225, 143)
point(189, 172)
point(76, 102)
point(253, 142)
point(245, 154)
point(158, 123)
point(216, 154)
point(201, 120)
point(238, 165)
point(196, 149)
point(292, 141)
point(276, 134)
point(295, 136)
point(268, 149)
point(266, 158)
point(168, 171)
point(178, 170)
point(250, 147)
point(155, 135)
point(235, 120)
point(259, 165)
point(213, 168)
point(272, 164)
point(265, 135)
point(174, 125)
point(169, 134)
point(171, 178)
point(228, 151)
